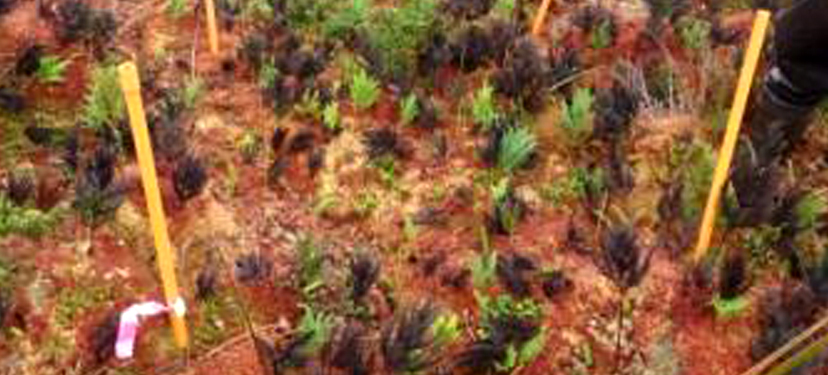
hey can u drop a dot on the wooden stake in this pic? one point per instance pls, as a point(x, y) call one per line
point(541, 17)
point(164, 255)
point(754, 50)
point(212, 29)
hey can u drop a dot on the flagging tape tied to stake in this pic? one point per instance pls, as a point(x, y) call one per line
point(130, 321)
point(166, 262)
point(754, 50)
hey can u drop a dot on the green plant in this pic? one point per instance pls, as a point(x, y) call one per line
point(51, 69)
point(176, 8)
point(809, 210)
point(504, 308)
point(104, 102)
point(694, 164)
point(694, 33)
point(726, 308)
point(445, 329)
point(366, 203)
point(249, 145)
point(267, 75)
point(409, 109)
point(331, 117)
point(577, 184)
point(387, 167)
point(346, 19)
point(315, 327)
point(307, 15)
point(26, 221)
point(398, 33)
point(602, 36)
point(483, 270)
point(365, 90)
point(484, 110)
point(213, 325)
point(310, 260)
point(192, 91)
point(73, 302)
point(310, 105)
point(576, 118)
point(516, 148)
point(507, 208)
point(504, 8)
point(257, 9)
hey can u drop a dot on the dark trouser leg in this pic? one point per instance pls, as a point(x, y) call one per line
point(795, 83)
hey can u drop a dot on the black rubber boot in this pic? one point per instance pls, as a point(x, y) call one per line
point(776, 125)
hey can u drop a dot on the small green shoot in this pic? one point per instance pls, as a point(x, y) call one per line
point(728, 308)
point(192, 91)
point(694, 33)
point(104, 100)
point(331, 117)
point(484, 110)
point(602, 35)
point(310, 260)
point(26, 221)
point(516, 149)
point(409, 109)
point(809, 210)
point(51, 69)
point(365, 90)
point(176, 8)
point(316, 326)
point(577, 116)
point(445, 329)
point(483, 269)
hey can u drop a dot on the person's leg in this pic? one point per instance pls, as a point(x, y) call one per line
point(796, 81)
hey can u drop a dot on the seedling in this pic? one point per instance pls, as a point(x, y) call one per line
point(346, 349)
point(408, 343)
point(51, 69)
point(331, 117)
point(577, 117)
point(507, 209)
point(484, 111)
point(104, 100)
point(732, 282)
point(20, 186)
point(26, 221)
point(96, 198)
point(176, 8)
point(516, 149)
point(512, 271)
point(365, 90)
point(483, 269)
point(189, 178)
point(192, 91)
point(310, 260)
point(364, 273)
point(409, 109)
point(383, 142)
point(251, 268)
point(249, 145)
point(694, 33)
point(347, 19)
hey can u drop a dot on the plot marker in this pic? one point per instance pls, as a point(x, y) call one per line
point(212, 29)
point(164, 255)
point(734, 122)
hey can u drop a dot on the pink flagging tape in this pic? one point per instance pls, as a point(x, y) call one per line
point(131, 321)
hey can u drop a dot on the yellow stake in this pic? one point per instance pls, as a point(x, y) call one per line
point(164, 255)
point(734, 122)
point(540, 17)
point(212, 30)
